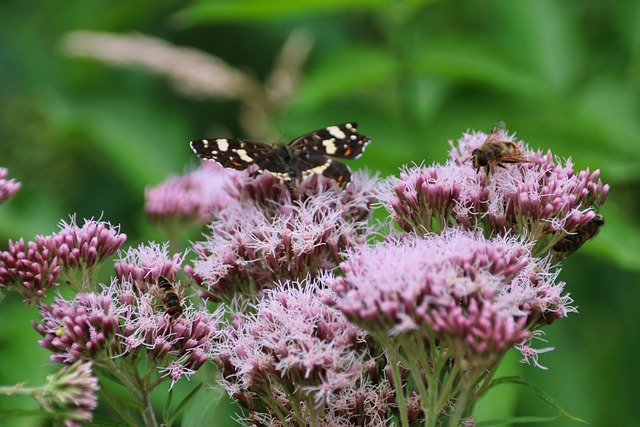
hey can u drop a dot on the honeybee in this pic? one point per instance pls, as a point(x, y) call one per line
point(572, 242)
point(495, 152)
point(170, 299)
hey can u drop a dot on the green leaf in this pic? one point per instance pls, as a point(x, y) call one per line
point(171, 418)
point(470, 60)
point(206, 406)
point(345, 73)
point(542, 395)
point(140, 141)
point(516, 420)
point(259, 10)
point(542, 36)
point(618, 240)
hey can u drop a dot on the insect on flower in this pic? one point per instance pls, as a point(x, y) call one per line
point(306, 155)
point(495, 152)
point(572, 242)
point(166, 293)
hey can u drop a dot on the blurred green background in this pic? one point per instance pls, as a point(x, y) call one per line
point(88, 120)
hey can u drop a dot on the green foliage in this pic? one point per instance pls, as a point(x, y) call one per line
point(87, 137)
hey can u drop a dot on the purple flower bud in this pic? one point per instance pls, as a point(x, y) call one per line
point(7, 187)
point(88, 245)
point(70, 333)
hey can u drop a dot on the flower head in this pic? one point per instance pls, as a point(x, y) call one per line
point(8, 187)
point(193, 196)
point(292, 343)
point(30, 268)
point(78, 329)
point(479, 294)
point(88, 245)
point(256, 243)
point(541, 198)
point(144, 264)
point(178, 345)
point(121, 321)
point(72, 389)
point(273, 196)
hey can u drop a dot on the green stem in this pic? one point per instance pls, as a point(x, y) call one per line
point(394, 362)
point(446, 391)
point(19, 389)
point(463, 399)
point(275, 406)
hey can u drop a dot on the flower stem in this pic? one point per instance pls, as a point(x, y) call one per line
point(397, 380)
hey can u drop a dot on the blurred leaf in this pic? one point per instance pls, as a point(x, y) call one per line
point(516, 420)
point(541, 38)
point(619, 239)
point(140, 142)
point(468, 60)
point(343, 74)
point(259, 10)
point(606, 115)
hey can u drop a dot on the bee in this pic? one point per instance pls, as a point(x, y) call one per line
point(572, 242)
point(170, 299)
point(495, 152)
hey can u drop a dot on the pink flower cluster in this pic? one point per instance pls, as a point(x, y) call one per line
point(261, 240)
point(291, 358)
point(543, 198)
point(8, 187)
point(31, 268)
point(88, 245)
point(193, 196)
point(481, 295)
point(79, 329)
point(180, 346)
point(120, 321)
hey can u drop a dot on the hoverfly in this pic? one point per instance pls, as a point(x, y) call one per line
point(171, 301)
point(495, 152)
point(572, 242)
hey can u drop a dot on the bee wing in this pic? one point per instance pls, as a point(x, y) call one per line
point(514, 158)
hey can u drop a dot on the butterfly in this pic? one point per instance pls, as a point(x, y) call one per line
point(309, 154)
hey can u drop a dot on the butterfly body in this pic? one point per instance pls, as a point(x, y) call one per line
point(312, 153)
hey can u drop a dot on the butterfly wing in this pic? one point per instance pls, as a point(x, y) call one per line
point(338, 141)
point(309, 164)
point(236, 154)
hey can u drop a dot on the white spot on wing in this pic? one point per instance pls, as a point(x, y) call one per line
point(223, 144)
point(316, 170)
point(243, 155)
point(329, 146)
point(336, 132)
